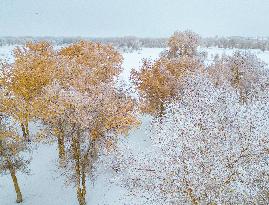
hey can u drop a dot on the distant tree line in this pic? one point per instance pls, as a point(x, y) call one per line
point(237, 42)
point(126, 44)
point(130, 43)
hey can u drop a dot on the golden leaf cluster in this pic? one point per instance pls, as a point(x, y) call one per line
point(158, 82)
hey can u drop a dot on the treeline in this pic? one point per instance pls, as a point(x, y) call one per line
point(130, 43)
point(237, 42)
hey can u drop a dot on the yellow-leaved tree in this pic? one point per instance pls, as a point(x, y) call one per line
point(23, 80)
point(158, 82)
point(85, 109)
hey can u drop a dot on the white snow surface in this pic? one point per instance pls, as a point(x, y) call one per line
point(45, 185)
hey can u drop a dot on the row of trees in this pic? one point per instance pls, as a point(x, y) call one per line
point(237, 42)
point(72, 92)
point(209, 128)
point(125, 44)
point(210, 131)
point(131, 43)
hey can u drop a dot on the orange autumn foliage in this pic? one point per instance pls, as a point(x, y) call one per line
point(31, 71)
point(74, 93)
point(99, 63)
point(85, 105)
point(23, 80)
point(183, 44)
point(158, 82)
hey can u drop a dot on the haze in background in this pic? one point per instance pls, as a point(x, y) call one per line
point(142, 18)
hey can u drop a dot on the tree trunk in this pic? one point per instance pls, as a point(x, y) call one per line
point(161, 112)
point(80, 171)
point(61, 148)
point(81, 196)
point(83, 184)
point(25, 131)
point(15, 182)
point(243, 96)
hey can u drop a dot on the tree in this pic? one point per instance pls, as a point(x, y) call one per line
point(12, 154)
point(183, 44)
point(87, 107)
point(92, 125)
point(244, 71)
point(24, 79)
point(208, 149)
point(80, 67)
point(158, 82)
point(98, 62)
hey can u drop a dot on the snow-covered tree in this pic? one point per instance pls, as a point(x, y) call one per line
point(23, 81)
point(207, 149)
point(244, 71)
point(183, 44)
point(85, 109)
point(80, 67)
point(12, 154)
point(157, 82)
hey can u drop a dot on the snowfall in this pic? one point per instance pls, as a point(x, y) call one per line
point(46, 186)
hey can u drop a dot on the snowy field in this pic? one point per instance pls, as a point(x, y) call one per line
point(45, 185)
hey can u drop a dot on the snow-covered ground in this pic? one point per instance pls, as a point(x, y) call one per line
point(45, 185)
point(6, 52)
